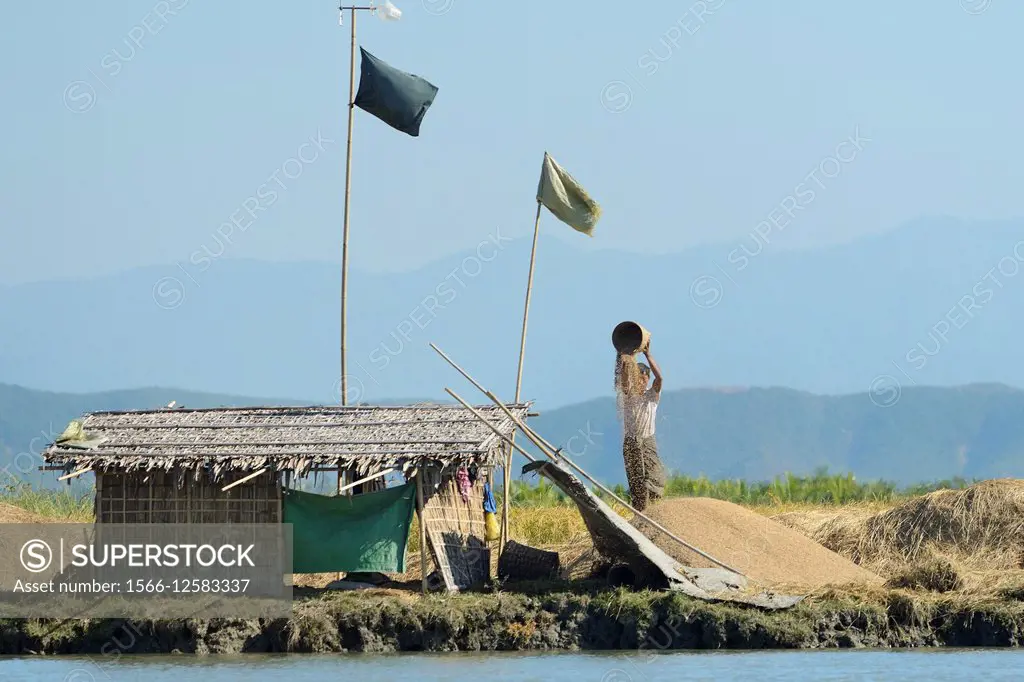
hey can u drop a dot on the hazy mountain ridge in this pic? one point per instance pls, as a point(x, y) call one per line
point(826, 320)
point(929, 433)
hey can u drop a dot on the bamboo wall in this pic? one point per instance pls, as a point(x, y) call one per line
point(155, 497)
point(456, 529)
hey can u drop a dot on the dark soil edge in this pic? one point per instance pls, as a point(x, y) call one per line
point(610, 620)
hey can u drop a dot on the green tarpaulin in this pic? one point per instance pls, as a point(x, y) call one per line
point(359, 533)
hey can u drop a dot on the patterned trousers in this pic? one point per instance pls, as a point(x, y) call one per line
point(644, 472)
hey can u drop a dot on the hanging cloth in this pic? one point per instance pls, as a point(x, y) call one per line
point(491, 530)
point(462, 479)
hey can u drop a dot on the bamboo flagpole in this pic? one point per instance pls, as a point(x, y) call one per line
point(410, 93)
point(386, 12)
point(348, 196)
point(507, 478)
point(570, 203)
point(344, 237)
point(526, 307)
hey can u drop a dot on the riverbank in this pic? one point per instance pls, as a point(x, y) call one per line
point(950, 568)
point(384, 621)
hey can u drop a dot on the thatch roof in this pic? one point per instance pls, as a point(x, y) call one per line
point(367, 438)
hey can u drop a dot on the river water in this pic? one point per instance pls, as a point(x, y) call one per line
point(831, 666)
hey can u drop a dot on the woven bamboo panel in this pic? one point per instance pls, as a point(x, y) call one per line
point(455, 529)
point(156, 497)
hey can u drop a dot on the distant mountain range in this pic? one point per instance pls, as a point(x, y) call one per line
point(936, 302)
point(919, 434)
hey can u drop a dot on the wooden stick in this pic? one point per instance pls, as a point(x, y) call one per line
point(506, 469)
point(459, 369)
point(491, 426)
point(73, 474)
point(423, 530)
point(240, 481)
point(368, 478)
point(503, 527)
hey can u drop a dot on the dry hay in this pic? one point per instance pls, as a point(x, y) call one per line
point(981, 527)
point(767, 552)
point(812, 519)
point(935, 574)
point(11, 514)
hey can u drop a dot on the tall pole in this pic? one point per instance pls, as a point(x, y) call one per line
point(526, 309)
point(507, 482)
point(348, 192)
point(423, 529)
point(344, 238)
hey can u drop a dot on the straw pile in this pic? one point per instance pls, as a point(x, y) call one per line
point(980, 527)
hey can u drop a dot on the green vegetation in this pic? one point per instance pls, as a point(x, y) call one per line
point(60, 505)
point(821, 488)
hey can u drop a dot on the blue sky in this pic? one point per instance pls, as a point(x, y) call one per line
point(132, 136)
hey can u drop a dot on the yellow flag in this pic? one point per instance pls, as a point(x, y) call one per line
point(566, 199)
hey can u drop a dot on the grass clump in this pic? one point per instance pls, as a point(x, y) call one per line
point(934, 575)
point(65, 504)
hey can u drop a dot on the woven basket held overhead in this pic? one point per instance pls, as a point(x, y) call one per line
point(520, 562)
point(629, 337)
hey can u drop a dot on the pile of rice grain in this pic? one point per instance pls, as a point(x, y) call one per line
point(767, 552)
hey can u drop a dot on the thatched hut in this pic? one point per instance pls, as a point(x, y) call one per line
point(239, 465)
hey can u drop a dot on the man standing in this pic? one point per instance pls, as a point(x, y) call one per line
point(644, 471)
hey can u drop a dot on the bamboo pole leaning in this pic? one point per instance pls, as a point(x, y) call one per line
point(73, 474)
point(557, 456)
point(240, 481)
point(371, 477)
point(423, 529)
point(508, 441)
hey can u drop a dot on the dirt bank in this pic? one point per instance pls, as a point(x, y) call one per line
point(368, 622)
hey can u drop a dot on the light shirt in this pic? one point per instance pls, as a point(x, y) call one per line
point(638, 413)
